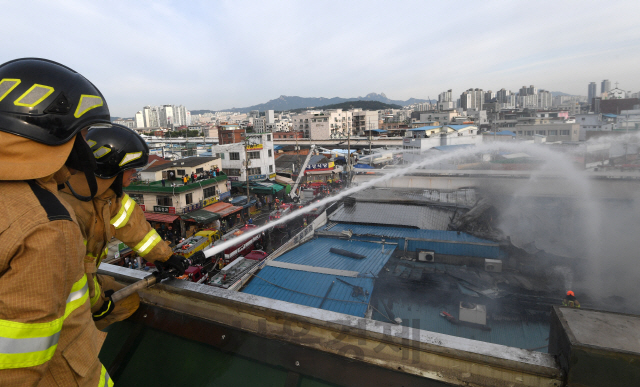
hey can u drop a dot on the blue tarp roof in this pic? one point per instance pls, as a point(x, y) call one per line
point(610, 115)
point(458, 127)
point(341, 150)
point(307, 288)
point(506, 133)
point(278, 147)
point(363, 166)
point(423, 128)
point(377, 130)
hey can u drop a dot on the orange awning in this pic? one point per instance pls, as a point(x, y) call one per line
point(164, 218)
point(223, 209)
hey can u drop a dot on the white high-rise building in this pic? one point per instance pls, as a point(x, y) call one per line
point(472, 99)
point(139, 120)
point(269, 116)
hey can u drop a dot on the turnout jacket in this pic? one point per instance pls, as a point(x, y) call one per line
point(47, 336)
point(106, 217)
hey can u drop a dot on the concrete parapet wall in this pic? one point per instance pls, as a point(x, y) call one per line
point(433, 356)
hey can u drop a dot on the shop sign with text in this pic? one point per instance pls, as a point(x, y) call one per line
point(321, 165)
point(167, 210)
point(254, 147)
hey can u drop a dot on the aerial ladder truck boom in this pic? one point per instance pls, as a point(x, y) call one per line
point(293, 194)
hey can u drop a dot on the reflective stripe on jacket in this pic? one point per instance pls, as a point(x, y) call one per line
point(47, 336)
point(108, 216)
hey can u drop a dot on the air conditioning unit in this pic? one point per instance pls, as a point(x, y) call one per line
point(427, 256)
point(494, 265)
point(473, 313)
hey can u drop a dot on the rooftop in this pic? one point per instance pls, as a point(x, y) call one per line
point(156, 186)
point(400, 215)
point(188, 162)
point(308, 285)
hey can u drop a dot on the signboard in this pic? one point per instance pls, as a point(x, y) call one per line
point(209, 201)
point(143, 207)
point(167, 210)
point(328, 165)
point(232, 178)
point(190, 207)
point(272, 176)
point(257, 177)
point(254, 147)
point(406, 140)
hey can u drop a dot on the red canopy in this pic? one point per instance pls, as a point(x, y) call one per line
point(164, 218)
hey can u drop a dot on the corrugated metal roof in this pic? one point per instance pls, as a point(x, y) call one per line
point(423, 217)
point(289, 285)
point(398, 232)
point(460, 198)
point(304, 288)
point(521, 334)
point(423, 128)
point(442, 242)
point(316, 253)
point(458, 127)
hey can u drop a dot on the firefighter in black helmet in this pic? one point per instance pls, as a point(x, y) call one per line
point(46, 331)
point(118, 151)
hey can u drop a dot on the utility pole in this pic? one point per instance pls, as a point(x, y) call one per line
point(246, 162)
point(348, 157)
point(370, 154)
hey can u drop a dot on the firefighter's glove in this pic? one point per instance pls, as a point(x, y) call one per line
point(107, 307)
point(176, 262)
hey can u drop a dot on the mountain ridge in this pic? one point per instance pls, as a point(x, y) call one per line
point(284, 103)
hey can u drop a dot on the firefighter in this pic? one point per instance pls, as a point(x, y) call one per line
point(570, 300)
point(47, 337)
point(118, 151)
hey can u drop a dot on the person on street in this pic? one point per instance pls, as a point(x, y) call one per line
point(47, 337)
point(570, 300)
point(118, 151)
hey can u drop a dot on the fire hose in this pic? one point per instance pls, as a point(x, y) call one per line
point(197, 258)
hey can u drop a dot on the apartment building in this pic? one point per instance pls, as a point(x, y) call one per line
point(255, 157)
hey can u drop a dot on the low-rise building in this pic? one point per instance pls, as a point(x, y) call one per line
point(364, 120)
point(324, 125)
point(418, 140)
point(258, 151)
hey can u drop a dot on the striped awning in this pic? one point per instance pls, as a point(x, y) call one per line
point(163, 218)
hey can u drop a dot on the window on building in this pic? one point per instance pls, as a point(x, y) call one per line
point(189, 198)
point(270, 168)
point(271, 152)
point(542, 132)
point(253, 155)
point(232, 172)
point(268, 137)
point(180, 172)
point(164, 201)
point(234, 155)
point(254, 171)
point(209, 192)
point(138, 198)
point(199, 170)
point(553, 133)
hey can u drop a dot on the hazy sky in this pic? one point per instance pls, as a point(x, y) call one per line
point(223, 54)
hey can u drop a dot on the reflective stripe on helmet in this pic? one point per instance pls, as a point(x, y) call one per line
point(7, 85)
point(32, 344)
point(33, 96)
point(147, 243)
point(100, 152)
point(87, 102)
point(123, 215)
point(105, 379)
point(129, 157)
